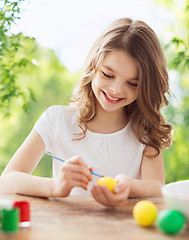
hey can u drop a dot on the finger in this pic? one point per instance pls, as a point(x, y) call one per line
point(113, 199)
point(69, 179)
point(78, 169)
point(84, 169)
point(122, 178)
point(80, 177)
point(99, 196)
point(124, 183)
point(108, 194)
point(90, 168)
point(76, 183)
point(106, 197)
point(102, 195)
point(120, 187)
point(77, 160)
point(119, 198)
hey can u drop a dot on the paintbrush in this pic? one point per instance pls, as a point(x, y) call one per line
point(96, 174)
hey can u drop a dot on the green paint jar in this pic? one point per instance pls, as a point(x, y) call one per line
point(10, 220)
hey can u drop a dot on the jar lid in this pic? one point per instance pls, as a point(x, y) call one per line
point(6, 204)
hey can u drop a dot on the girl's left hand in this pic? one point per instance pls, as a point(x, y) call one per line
point(121, 192)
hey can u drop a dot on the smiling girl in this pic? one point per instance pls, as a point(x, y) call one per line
point(114, 124)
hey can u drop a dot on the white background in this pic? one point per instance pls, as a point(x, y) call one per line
point(70, 27)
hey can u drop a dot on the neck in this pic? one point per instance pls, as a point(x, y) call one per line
point(108, 122)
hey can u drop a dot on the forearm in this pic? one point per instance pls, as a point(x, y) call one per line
point(145, 188)
point(23, 183)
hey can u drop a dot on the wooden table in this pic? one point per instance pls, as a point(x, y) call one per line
point(82, 218)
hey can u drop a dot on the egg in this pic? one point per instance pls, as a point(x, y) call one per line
point(109, 182)
point(170, 221)
point(145, 213)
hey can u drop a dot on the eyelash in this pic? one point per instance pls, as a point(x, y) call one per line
point(133, 84)
point(107, 76)
point(130, 83)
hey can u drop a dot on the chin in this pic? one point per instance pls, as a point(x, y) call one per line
point(111, 109)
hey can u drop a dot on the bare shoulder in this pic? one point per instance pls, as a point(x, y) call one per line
point(151, 152)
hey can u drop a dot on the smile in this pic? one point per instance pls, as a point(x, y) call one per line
point(111, 99)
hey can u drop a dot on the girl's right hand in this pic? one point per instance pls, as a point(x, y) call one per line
point(74, 173)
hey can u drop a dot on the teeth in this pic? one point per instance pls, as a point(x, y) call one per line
point(112, 98)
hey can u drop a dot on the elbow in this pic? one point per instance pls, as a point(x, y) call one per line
point(6, 182)
point(158, 192)
point(2, 184)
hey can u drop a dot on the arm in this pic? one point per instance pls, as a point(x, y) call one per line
point(149, 184)
point(17, 178)
point(152, 178)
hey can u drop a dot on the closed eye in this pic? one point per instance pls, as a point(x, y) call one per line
point(106, 75)
point(133, 84)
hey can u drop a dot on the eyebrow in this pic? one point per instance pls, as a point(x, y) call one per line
point(109, 68)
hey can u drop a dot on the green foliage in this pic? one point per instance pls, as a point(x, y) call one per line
point(52, 84)
point(13, 60)
point(180, 59)
point(24, 64)
point(176, 158)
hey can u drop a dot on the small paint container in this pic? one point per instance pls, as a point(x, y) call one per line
point(24, 208)
point(10, 220)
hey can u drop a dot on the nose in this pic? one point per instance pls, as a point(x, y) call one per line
point(116, 88)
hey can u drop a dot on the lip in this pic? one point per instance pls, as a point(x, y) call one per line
point(110, 100)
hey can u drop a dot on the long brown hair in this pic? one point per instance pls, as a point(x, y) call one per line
point(140, 41)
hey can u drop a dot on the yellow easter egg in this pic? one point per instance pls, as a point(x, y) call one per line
point(108, 182)
point(145, 213)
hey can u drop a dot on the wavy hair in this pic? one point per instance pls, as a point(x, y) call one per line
point(138, 40)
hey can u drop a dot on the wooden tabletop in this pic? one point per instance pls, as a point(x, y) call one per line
point(82, 218)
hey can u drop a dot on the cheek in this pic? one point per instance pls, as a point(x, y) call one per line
point(95, 86)
point(96, 83)
point(93, 82)
point(132, 94)
point(135, 95)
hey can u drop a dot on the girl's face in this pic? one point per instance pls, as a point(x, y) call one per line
point(115, 82)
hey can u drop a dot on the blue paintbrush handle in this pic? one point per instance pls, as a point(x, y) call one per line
point(54, 157)
point(96, 174)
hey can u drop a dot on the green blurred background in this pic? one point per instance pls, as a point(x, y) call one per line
point(32, 78)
